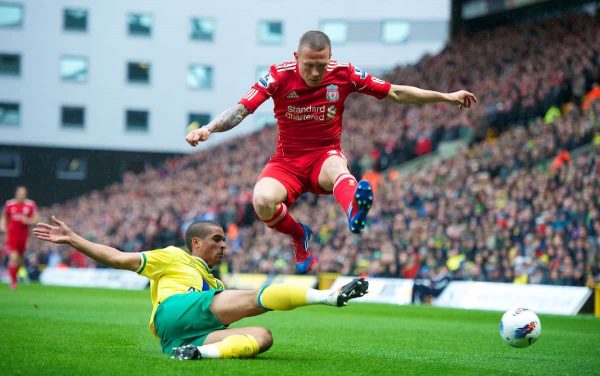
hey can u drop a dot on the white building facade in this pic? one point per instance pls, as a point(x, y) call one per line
point(130, 75)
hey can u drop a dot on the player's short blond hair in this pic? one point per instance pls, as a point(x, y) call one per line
point(315, 40)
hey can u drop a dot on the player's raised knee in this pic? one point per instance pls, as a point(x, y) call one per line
point(264, 338)
point(264, 203)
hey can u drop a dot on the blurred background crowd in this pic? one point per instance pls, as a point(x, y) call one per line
point(520, 204)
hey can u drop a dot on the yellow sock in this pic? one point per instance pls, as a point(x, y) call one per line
point(282, 297)
point(238, 346)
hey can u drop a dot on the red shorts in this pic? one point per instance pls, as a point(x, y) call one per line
point(299, 174)
point(16, 244)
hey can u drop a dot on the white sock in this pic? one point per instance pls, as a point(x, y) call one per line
point(209, 351)
point(328, 297)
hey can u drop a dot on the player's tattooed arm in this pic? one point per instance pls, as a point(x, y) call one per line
point(228, 119)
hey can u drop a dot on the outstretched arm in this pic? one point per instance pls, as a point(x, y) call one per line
point(414, 95)
point(62, 234)
point(228, 119)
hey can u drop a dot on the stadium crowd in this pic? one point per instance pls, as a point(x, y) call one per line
point(494, 212)
point(517, 72)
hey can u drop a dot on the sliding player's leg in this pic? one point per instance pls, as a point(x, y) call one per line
point(233, 305)
point(228, 343)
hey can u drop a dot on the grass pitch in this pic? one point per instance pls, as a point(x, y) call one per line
point(63, 331)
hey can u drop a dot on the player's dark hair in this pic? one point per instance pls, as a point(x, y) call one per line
point(315, 40)
point(198, 230)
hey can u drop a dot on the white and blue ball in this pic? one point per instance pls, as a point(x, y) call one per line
point(520, 327)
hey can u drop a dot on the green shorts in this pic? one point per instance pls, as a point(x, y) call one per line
point(184, 319)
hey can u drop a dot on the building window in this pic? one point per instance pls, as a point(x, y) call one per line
point(10, 164)
point(74, 68)
point(337, 31)
point(11, 15)
point(137, 120)
point(202, 29)
point(196, 120)
point(200, 76)
point(395, 31)
point(71, 168)
point(10, 113)
point(262, 71)
point(473, 9)
point(75, 19)
point(72, 117)
point(270, 32)
point(138, 72)
point(139, 24)
point(10, 64)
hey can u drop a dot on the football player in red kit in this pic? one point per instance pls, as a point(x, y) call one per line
point(16, 217)
point(309, 95)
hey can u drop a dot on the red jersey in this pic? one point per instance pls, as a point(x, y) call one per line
point(310, 118)
point(15, 213)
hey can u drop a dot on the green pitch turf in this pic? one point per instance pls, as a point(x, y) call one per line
point(64, 331)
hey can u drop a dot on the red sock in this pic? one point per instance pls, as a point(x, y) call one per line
point(343, 190)
point(283, 222)
point(12, 271)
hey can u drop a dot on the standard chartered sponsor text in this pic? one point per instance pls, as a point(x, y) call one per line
point(305, 113)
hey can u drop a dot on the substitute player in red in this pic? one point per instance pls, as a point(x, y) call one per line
point(17, 215)
point(309, 95)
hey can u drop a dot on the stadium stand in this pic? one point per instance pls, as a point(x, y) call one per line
point(518, 206)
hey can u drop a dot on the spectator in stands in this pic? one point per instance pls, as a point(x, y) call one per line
point(431, 284)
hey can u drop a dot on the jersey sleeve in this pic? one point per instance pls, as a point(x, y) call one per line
point(365, 83)
point(154, 263)
point(262, 90)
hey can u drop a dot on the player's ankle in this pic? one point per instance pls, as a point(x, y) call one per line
point(328, 297)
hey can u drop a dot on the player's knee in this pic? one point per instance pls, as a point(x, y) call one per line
point(335, 166)
point(264, 339)
point(263, 203)
point(14, 257)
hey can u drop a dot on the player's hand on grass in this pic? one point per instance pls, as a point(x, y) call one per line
point(197, 135)
point(60, 233)
point(462, 98)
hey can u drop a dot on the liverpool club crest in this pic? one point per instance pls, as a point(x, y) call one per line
point(332, 93)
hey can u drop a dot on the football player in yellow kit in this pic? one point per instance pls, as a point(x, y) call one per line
point(191, 308)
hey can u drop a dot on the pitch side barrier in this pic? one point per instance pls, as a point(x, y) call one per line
point(123, 279)
point(559, 300)
point(383, 290)
point(243, 281)
point(87, 277)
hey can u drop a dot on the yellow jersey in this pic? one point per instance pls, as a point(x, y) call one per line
point(171, 271)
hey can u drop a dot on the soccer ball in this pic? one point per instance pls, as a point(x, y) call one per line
point(520, 327)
